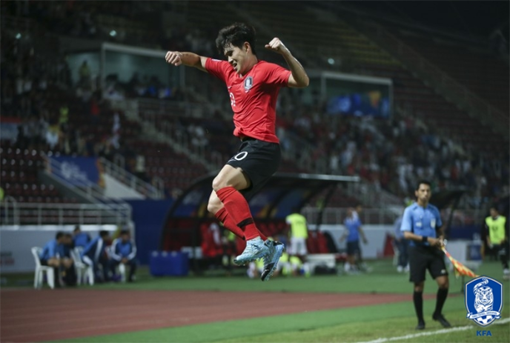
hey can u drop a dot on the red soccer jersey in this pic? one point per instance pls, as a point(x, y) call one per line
point(252, 96)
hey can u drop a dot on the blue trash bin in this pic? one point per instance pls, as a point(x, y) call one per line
point(169, 263)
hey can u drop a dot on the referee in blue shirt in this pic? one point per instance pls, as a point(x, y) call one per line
point(422, 226)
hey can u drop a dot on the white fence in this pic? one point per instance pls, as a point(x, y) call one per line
point(387, 215)
point(13, 213)
point(336, 216)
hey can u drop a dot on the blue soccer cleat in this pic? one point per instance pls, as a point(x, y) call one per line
point(276, 250)
point(255, 249)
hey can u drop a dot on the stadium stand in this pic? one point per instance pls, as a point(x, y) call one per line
point(476, 68)
point(379, 151)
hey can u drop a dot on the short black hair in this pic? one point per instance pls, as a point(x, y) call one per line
point(103, 233)
point(77, 228)
point(422, 182)
point(124, 232)
point(59, 235)
point(236, 34)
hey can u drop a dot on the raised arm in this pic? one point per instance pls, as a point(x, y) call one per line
point(189, 59)
point(298, 78)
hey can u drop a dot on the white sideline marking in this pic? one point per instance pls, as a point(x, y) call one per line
point(430, 333)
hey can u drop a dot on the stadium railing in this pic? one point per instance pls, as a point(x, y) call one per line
point(336, 216)
point(14, 213)
point(87, 190)
point(131, 180)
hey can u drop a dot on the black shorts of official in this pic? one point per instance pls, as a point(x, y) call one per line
point(352, 247)
point(259, 160)
point(423, 258)
point(500, 249)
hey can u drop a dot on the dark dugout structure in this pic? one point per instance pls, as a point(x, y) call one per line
point(282, 194)
point(445, 199)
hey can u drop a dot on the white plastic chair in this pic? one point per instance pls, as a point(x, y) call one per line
point(40, 270)
point(122, 272)
point(82, 270)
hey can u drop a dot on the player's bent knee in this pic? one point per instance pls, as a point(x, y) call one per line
point(219, 183)
point(213, 207)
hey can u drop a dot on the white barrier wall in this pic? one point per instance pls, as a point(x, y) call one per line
point(17, 241)
point(376, 236)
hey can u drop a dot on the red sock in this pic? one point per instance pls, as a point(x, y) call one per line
point(228, 222)
point(238, 209)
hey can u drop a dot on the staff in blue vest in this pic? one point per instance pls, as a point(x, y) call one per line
point(94, 254)
point(52, 256)
point(80, 239)
point(68, 273)
point(352, 233)
point(422, 225)
point(123, 251)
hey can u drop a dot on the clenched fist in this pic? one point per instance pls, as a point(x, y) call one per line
point(173, 57)
point(277, 45)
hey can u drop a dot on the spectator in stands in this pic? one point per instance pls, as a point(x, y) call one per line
point(84, 73)
point(352, 233)
point(253, 87)
point(123, 251)
point(402, 247)
point(50, 256)
point(422, 225)
point(140, 167)
point(95, 111)
point(497, 237)
point(94, 254)
point(80, 239)
point(298, 233)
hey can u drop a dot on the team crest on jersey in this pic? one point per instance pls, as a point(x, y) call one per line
point(484, 300)
point(248, 83)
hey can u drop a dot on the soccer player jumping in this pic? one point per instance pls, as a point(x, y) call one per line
point(253, 87)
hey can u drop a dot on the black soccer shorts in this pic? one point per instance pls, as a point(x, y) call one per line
point(422, 259)
point(352, 248)
point(259, 160)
